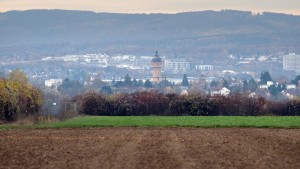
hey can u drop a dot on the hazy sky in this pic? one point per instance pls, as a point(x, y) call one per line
point(154, 6)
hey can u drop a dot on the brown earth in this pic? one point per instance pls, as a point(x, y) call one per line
point(150, 148)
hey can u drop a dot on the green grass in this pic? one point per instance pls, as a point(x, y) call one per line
point(171, 121)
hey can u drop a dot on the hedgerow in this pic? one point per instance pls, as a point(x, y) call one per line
point(155, 103)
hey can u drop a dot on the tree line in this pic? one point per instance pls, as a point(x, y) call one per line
point(156, 103)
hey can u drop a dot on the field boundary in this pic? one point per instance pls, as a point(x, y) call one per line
point(168, 121)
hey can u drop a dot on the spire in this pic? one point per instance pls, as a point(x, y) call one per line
point(156, 57)
point(156, 54)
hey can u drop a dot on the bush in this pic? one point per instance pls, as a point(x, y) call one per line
point(94, 103)
point(293, 108)
point(288, 108)
point(197, 105)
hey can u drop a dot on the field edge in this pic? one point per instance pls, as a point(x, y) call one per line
point(286, 122)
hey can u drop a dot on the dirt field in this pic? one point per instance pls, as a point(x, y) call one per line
point(150, 148)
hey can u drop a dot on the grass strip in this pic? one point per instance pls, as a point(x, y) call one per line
point(170, 121)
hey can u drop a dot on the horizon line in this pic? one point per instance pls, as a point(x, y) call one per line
point(178, 12)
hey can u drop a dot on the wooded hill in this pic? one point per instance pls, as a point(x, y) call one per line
point(198, 35)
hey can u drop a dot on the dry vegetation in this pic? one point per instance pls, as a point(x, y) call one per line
point(155, 103)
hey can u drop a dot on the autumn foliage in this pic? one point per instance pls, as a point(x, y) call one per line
point(18, 100)
point(155, 103)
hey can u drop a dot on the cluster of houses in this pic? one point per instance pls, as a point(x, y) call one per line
point(289, 91)
point(175, 65)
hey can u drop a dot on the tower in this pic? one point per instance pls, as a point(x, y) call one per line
point(156, 65)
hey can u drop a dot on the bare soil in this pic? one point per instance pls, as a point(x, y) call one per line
point(150, 147)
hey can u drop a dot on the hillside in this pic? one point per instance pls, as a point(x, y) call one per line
point(198, 35)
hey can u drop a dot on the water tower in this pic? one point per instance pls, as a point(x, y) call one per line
point(156, 65)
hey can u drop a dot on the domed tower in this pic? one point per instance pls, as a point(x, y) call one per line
point(156, 65)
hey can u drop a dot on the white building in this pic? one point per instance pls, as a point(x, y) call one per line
point(204, 67)
point(94, 60)
point(229, 72)
point(263, 86)
point(53, 82)
point(176, 64)
point(290, 86)
point(223, 92)
point(287, 95)
point(291, 62)
point(270, 83)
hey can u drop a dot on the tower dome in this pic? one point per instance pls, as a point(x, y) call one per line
point(156, 58)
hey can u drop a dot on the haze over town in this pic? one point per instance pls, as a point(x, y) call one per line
point(218, 51)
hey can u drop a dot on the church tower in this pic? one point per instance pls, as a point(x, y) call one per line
point(156, 65)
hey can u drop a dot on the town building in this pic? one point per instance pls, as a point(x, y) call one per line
point(156, 65)
point(176, 64)
point(290, 86)
point(223, 92)
point(291, 62)
point(204, 67)
point(263, 86)
point(53, 83)
point(270, 83)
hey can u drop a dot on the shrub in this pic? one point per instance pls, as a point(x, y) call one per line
point(197, 105)
point(94, 103)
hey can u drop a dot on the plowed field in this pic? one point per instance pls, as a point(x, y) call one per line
point(150, 147)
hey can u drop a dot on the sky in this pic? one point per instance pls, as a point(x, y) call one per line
point(155, 6)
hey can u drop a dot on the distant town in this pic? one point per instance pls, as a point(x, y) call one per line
point(274, 77)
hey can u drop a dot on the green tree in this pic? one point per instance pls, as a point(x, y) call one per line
point(65, 85)
point(165, 83)
point(140, 83)
point(213, 83)
point(296, 80)
point(98, 83)
point(185, 81)
point(281, 87)
point(265, 77)
point(135, 83)
point(107, 90)
point(148, 84)
point(245, 85)
point(225, 84)
point(113, 81)
point(118, 84)
point(273, 90)
point(252, 85)
point(127, 81)
point(70, 87)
